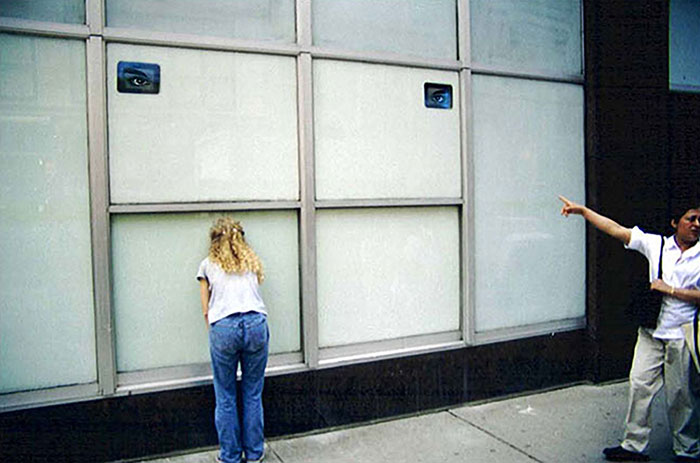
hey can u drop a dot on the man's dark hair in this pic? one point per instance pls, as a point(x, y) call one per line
point(679, 210)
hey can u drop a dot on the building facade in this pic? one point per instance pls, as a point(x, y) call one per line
point(396, 165)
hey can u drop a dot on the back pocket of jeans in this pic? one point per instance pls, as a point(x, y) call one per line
point(258, 335)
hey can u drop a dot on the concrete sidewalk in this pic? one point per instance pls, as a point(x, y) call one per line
point(562, 426)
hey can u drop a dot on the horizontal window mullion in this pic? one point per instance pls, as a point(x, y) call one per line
point(194, 374)
point(202, 207)
point(140, 37)
point(50, 29)
point(389, 348)
point(397, 59)
point(528, 331)
point(358, 203)
point(526, 74)
point(45, 397)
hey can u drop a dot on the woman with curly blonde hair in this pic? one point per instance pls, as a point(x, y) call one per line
point(238, 334)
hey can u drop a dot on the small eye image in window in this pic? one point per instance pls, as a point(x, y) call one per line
point(135, 77)
point(437, 95)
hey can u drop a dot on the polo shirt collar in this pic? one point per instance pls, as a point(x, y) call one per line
point(691, 252)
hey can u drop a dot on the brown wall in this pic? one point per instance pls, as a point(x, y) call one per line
point(642, 149)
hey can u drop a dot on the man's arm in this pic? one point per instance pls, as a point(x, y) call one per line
point(687, 295)
point(601, 222)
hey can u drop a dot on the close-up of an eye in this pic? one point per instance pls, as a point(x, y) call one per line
point(135, 77)
point(437, 96)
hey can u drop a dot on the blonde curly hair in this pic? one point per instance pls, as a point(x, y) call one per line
point(230, 250)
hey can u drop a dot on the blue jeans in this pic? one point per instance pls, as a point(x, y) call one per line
point(239, 338)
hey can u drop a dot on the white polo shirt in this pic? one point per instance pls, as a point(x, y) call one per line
point(680, 270)
point(230, 292)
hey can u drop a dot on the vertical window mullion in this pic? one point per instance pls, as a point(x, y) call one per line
point(463, 33)
point(94, 16)
point(467, 215)
point(303, 23)
point(99, 202)
point(307, 246)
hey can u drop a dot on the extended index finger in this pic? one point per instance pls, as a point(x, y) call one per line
point(564, 200)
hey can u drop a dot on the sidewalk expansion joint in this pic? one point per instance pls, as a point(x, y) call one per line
point(272, 450)
point(498, 438)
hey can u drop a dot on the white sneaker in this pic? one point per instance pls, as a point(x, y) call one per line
point(219, 460)
point(262, 457)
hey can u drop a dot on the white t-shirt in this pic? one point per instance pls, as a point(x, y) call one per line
point(680, 270)
point(230, 292)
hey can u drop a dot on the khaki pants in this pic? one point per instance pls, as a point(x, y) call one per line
point(658, 363)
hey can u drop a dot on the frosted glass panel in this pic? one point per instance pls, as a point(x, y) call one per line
point(684, 45)
point(223, 127)
point(374, 137)
point(58, 11)
point(47, 335)
point(425, 28)
point(387, 273)
point(528, 148)
point(250, 19)
point(158, 315)
point(531, 34)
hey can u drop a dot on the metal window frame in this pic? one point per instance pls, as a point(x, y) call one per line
point(44, 29)
point(110, 382)
point(528, 331)
point(99, 218)
point(50, 396)
point(391, 348)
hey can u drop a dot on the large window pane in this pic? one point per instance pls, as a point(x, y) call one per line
point(47, 335)
point(250, 19)
point(158, 316)
point(527, 34)
point(528, 148)
point(426, 28)
point(387, 273)
point(374, 137)
point(684, 45)
point(59, 11)
point(222, 127)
